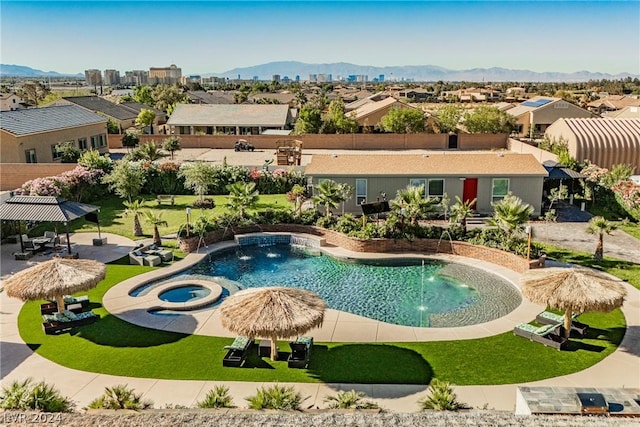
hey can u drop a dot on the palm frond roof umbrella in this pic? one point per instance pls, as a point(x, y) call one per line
point(55, 278)
point(274, 312)
point(574, 290)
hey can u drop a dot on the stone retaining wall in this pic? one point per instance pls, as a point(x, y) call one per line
point(495, 256)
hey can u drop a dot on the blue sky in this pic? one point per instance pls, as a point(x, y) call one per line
point(216, 36)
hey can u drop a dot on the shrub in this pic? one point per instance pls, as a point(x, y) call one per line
point(348, 224)
point(441, 397)
point(276, 397)
point(350, 400)
point(206, 203)
point(120, 397)
point(218, 397)
point(272, 216)
point(40, 397)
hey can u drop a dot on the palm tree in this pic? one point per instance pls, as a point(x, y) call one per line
point(460, 211)
point(242, 196)
point(150, 152)
point(330, 194)
point(599, 225)
point(134, 209)
point(157, 221)
point(510, 214)
point(415, 205)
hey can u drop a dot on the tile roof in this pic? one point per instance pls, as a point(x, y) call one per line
point(229, 115)
point(97, 104)
point(36, 120)
point(440, 164)
point(372, 107)
point(214, 97)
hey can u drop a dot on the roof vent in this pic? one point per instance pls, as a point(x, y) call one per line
point(500, 154)
point(334, 155)
point(425, 155)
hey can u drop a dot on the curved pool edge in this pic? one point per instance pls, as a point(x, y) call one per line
point(338, 326)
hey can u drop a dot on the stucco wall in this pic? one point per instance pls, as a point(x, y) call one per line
point(13, 175)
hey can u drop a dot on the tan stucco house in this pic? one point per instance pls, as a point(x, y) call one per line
point(31, 135)
point(487, 176)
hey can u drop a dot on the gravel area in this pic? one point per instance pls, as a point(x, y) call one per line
point(240, 418)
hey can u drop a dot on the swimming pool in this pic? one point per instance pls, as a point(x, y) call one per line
point(399, 291)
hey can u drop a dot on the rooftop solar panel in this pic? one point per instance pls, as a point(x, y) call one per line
point(537, 103)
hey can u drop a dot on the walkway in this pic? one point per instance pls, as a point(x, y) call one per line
point(621, 369)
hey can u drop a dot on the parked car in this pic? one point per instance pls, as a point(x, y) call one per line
point(243, 145)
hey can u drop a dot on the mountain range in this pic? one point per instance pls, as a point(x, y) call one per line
point(340, 70)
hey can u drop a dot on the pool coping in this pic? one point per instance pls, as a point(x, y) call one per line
point(338, 326)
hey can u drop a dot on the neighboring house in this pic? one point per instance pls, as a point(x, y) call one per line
point(210, 97)
point(416, 94)
point(234, 119)
point(11, 102)
point(379, 96)
point(625, 113)
point(31, 135)
point(613, 103)
point(535, 115)
point(136, 107)
point(124, 117)
point(282, 98)
point(485, 176)
point(605, 142)
point(369, 114)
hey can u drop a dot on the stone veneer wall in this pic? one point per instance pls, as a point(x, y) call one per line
point(495, 256)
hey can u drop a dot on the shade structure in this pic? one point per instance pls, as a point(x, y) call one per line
point(274, 312)
point(574, 290)
point(55, 278)
point(44, 209)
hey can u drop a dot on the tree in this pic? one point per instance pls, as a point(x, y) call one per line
point(403, 120)
point(130, 138)
point(171, 145)
point(143, 95)
point(448, 118)
point(149, 151)
point(112, 127)
point(156, 220)
point(510, 214)
point(198, 176)
point(134, 209)
point(33, 92)
point(68, 152)
point(335, 120)
point(329, 194)
point(92, 159)
point(600, 226)
point(489, 120)
point(242, 196)
point(618, 173)
point(297, 197)
point(167, 95)
point(462, 210)
point(309, 120)
point(410, 202)
point(126, 180)
point(146, 118)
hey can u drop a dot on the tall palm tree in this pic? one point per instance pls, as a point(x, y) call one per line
point(150, 152)
point(242, 196)
point(462, 210)
point(134, 209)
point(415, 205)
point(330, 194)
point(601, 226)
point(157, 221)
point(510, 214)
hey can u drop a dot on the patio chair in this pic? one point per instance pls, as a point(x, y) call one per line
point(73, 304)
point(58, 322)
point(300, 352)
point(547, 334)
point(238, 352)
point(549, 318)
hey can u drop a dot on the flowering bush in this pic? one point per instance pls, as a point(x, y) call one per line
point(82, 183)
point(628, 195)
point(47, 186)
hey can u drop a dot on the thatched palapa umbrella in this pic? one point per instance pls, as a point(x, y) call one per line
point(54, 279)
point(276, 312)
point(574, 290)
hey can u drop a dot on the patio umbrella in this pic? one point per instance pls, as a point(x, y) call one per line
point(574, 290)
point(275, 312)
point(55, 278)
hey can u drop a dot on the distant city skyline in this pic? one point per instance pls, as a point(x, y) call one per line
point(215, 36)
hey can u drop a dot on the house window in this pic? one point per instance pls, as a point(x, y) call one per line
point(30, 155)
point(94, 141)
point(499, 189)
point(436, 188)
point(56, 153)
point(82, 143)
point(361, 191)
point(103, 140)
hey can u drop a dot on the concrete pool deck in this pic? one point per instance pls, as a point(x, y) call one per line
point(18, 361)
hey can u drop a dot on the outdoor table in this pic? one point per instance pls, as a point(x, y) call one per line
point(41, 241)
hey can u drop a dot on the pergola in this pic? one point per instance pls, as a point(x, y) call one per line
point(44, 209)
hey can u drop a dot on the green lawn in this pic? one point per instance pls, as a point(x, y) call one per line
point(115, 347)
point(112, 219)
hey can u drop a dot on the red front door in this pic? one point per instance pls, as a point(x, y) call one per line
point(470, 190)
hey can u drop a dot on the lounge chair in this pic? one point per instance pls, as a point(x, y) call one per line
point(238, 352)
point(547, 334)
point(58, 322)
point(300, 352)
point(549, 318)
point(31, 247)
point(73, 304)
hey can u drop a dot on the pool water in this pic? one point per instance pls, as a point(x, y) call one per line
point(185, 293)
point(398, 291)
